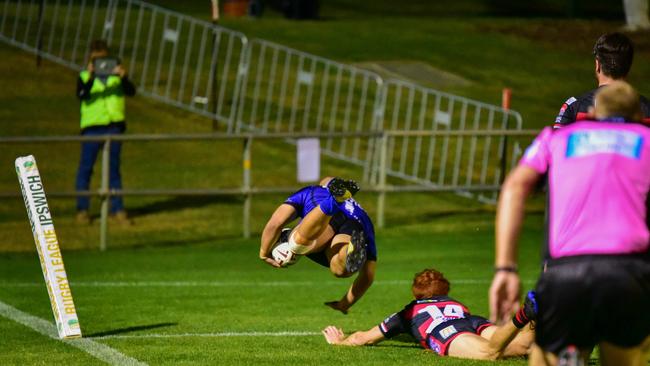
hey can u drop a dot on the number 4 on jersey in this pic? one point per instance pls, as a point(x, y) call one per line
point(451, 311)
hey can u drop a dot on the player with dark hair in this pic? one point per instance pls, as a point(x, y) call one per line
point(445, 326)
point(334, 231)
point(596, 286)
point(613, 54)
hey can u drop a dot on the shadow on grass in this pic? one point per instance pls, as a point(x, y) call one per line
point(436, 215)
point(130, 329)
point(455, 214)
point(179, 203)
point(401, 345)
point(179, 242)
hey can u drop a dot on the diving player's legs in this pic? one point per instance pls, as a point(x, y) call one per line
point(337, 254)
point(347, 251)
point(303, 239)
point(323, 237)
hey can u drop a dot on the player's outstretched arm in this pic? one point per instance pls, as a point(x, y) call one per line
point(281, 216)
point(334, 335)
point(361, 284)
point(505, 288)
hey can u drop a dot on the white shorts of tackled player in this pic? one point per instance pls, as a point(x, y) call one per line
point(47, 245)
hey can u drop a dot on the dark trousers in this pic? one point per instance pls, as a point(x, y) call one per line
point(89, 152)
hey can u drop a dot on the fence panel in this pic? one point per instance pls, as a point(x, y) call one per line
point(169, 179)
point(265, 87)
point(445, 160)
point(286, 90)
point(171, 57)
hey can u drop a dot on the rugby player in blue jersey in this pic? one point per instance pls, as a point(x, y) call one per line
point(334, 231)
point(445, 326)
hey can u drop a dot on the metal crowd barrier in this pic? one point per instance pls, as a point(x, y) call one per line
point(441, 160)
point(173, 58)
point(382, 186)
point(286, 90)
point(263, 87)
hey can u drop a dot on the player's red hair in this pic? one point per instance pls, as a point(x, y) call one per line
point(429, 283)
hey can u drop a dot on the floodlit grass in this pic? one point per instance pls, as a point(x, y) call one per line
point(196, 242)
point(219, 286)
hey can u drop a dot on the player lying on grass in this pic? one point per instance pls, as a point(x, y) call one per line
point(334, 232)
point(445, 326)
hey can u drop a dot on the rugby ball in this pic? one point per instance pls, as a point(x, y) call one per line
point(283, 255)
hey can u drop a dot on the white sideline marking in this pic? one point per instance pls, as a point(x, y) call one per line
point(213, 335)
point(235, 283)
point(97, 350)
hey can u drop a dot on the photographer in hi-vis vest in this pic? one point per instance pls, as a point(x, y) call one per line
point(101, 89)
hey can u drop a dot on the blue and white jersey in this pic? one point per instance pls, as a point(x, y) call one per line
point(353, 210)
point(308, 198)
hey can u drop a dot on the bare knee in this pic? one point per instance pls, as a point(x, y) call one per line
point(300, 239)
point(339, 271)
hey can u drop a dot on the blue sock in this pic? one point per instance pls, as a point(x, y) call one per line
point(329, 206)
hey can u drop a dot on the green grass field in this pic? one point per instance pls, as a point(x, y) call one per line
point(171, 288)
point(169, 305)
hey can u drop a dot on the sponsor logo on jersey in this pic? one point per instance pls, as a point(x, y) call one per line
point(383, 325)
point(586, 143)
point(558, 119)
point(435, 347)
point(566, 105)
point(349, 206)
point(447, 331)
point(387, 320)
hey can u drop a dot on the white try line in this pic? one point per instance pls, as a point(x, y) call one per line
point(237, 283)
point(95, 349)
point(214, 335)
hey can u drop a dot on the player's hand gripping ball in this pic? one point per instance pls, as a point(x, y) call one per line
point(283, 255)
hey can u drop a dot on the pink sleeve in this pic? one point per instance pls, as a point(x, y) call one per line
point(538, 154)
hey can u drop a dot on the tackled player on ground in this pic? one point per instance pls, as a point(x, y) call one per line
point(445, 326)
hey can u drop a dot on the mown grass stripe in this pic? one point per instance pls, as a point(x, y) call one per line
point(95, 349)
point(235, 283)
point(208, 335)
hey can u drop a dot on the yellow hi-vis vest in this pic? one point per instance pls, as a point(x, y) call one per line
point(106, 103)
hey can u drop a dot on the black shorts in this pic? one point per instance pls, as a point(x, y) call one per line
point(585, 300)
point(441, 336)
point(341, 225)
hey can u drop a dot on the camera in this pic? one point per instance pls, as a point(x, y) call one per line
point(104, 66)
